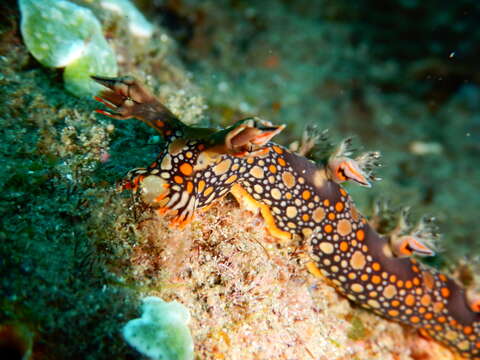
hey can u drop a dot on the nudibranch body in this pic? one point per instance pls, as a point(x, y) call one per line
point(296, 197)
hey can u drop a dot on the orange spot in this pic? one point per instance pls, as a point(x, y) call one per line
point(409, 300)
point(415, 268)
point(281, 162)
point(424, 333)
point(339, 206)
point(477, 345)
point(326, 202)
point(475, 306)
point(445, 292)
point(416, 281)
point(360, 235)
point(331, 216)
point(277, 150)
point(201, 147)
point(273, 169)
point(328, 228)
point(426, 300)
point(376, 279)
point(428, 316)
point(376, 266)
point(250, 161)
point(393, 313)
point(305, 217)
point(442, 277)
point(408, 284)
point(160, 123)
point(343, 192)
point(201, 186)
point(400, 283)
point(467, 330)
point(453, 322)
point(421, 310)
point(189, 187)
point(208, 191)
point(441, 319)
point(395, 303)
point(438, 327)
point(393, 278)
point(306, 195)
point(178, 179)
point(438, 306)
point(428, 280)
point(168, 132)
point(415, 319)
point(186, 169)
point(364, 277)
point(343, 244)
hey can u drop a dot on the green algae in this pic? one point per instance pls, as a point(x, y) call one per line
point(357, 331)
point(162, 332)
point(59, 33)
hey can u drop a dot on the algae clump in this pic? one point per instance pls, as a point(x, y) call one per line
point(59, 33)
point(162, 332)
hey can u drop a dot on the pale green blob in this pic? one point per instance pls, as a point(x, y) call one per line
point(137, 23)
point(162, 332)
point(98, 59)
point(62, 34)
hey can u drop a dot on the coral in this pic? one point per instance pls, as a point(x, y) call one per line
point(162, 332)
point(62, 34)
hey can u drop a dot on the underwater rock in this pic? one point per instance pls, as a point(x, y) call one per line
point(162, 332)
point(62, 34)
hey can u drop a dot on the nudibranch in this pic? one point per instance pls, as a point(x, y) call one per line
point(297, 197)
